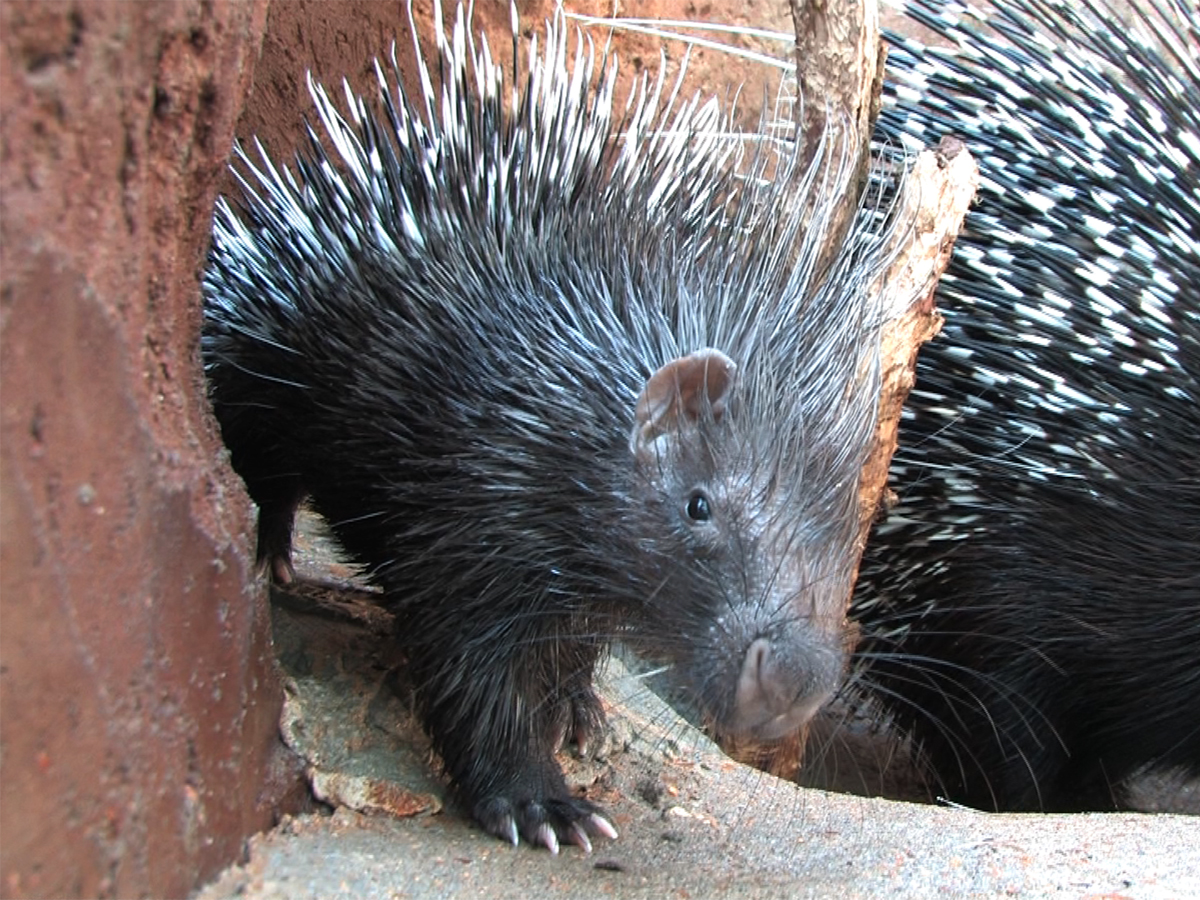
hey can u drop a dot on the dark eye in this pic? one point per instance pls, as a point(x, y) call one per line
point(697, 508)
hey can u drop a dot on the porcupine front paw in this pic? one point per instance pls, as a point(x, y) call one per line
point(538, 807)
point(497, 737)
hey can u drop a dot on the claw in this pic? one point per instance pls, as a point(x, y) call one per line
point(597, 824)
point(513, 837)
point(579, 837)
point(281, 569)
point(546, 836)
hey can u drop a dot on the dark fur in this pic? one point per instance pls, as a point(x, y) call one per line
point(1031, 609)
point(457, 399)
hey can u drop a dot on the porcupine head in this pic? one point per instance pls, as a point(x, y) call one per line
point(607, 384)
point(758, 643)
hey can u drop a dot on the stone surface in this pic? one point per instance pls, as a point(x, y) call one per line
point(692, 822)
point(734, 834)
point(139, 696)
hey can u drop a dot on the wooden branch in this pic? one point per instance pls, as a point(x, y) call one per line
point(839, 80)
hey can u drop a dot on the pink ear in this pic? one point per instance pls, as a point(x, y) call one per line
point(675, 397)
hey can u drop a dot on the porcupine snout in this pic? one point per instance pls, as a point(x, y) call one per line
point(783, 681)
point(777, 653)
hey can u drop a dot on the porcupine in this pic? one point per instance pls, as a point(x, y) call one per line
point(1031, 607)
point(555, 375)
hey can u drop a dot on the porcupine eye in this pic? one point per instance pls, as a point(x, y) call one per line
point(698, 509)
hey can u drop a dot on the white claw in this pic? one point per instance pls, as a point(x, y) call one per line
point(513, 837)
point(601, 825)
point(579, 837)
point(546, 835)
point(282, 569)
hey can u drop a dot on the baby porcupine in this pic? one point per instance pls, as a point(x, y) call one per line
point(557, 373)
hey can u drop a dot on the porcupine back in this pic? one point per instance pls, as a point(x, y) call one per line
point(553, 372)
point(1031, 608)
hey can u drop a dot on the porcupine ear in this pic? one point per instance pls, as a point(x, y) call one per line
point(676, 396)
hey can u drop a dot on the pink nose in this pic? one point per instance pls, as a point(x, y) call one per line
point(778, 693)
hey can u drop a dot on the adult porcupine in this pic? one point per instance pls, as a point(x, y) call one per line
point(1031, 608)
point(553, 378)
